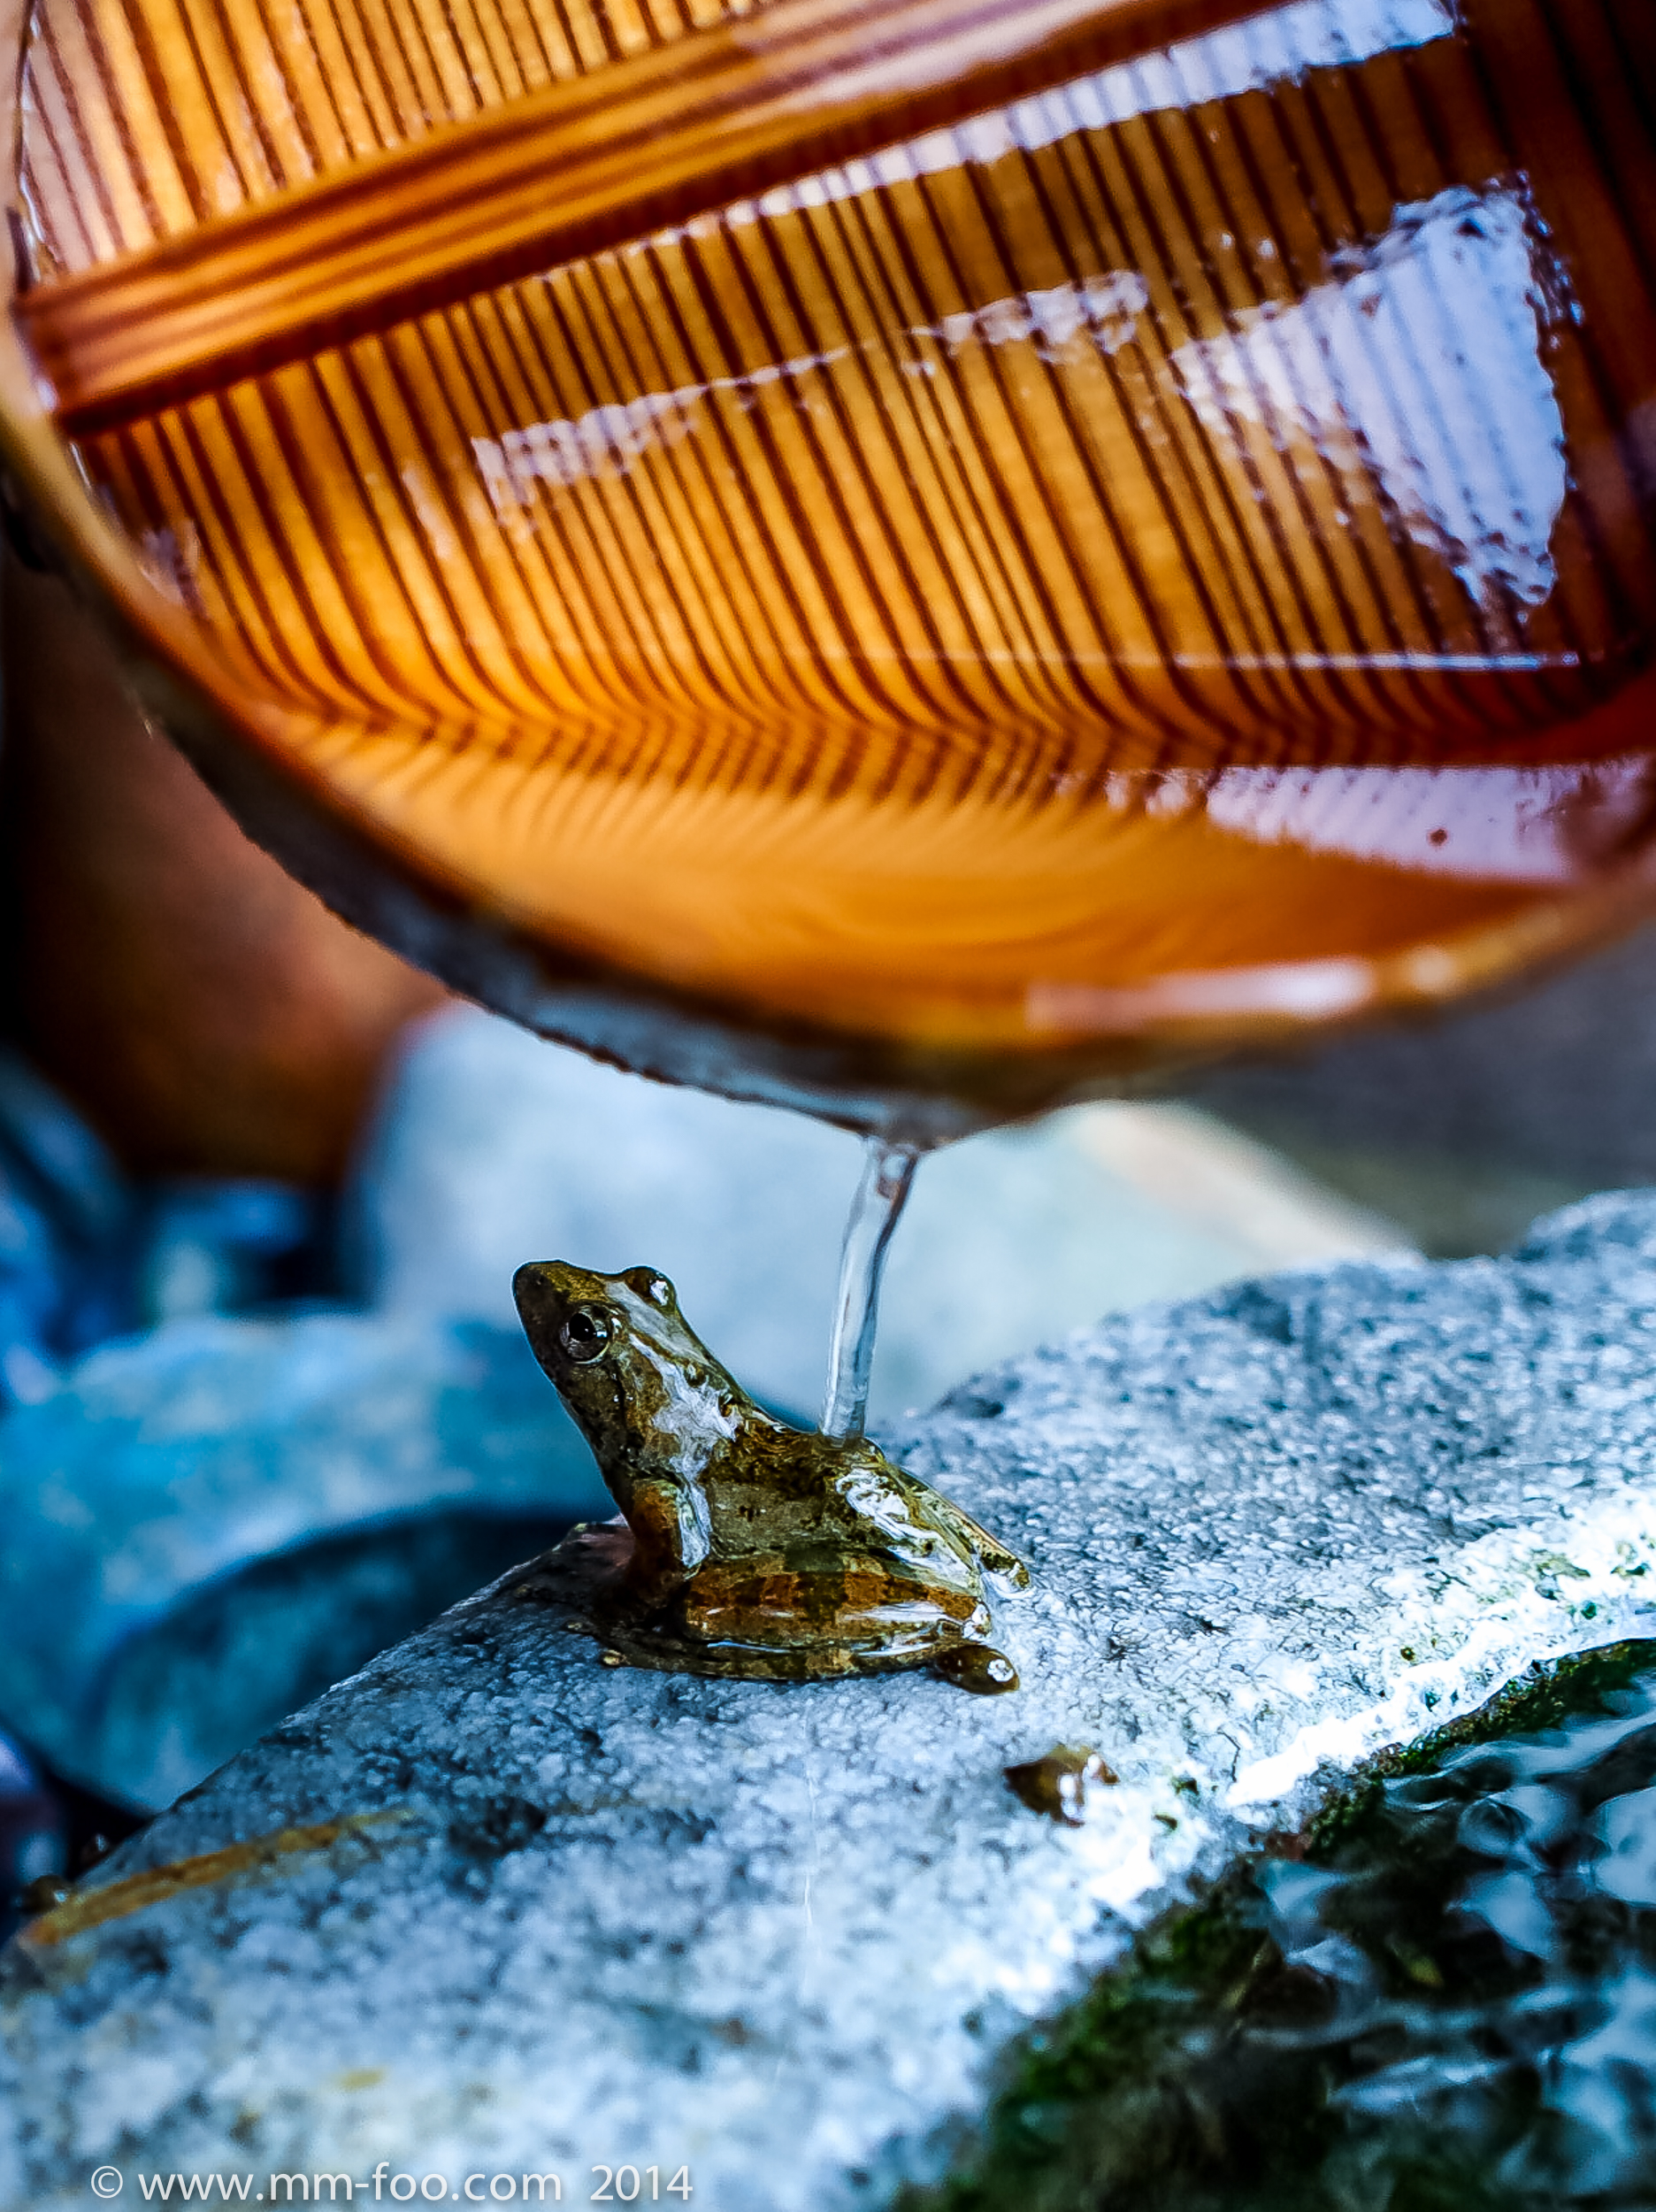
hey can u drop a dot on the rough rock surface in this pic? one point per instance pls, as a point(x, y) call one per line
point(535, 1915)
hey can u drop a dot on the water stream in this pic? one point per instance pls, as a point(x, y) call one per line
point(888, 1172)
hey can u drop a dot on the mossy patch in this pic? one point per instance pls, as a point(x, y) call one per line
point(1209, 2071)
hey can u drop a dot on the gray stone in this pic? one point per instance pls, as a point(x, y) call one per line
point(65, 1216)
point(513, 1911)
point(87, 1253)
point(207, 1525)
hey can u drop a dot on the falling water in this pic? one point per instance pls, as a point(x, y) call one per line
point(888, 1175)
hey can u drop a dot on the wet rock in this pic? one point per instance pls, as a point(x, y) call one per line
point(206, 1525)
point(87, 1253)
point(66, 1234)
point(32, 1840)
point(492, 1908)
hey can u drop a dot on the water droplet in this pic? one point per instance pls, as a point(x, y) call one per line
point(977, 1668)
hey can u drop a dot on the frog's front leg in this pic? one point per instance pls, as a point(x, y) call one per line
point(672, 1537)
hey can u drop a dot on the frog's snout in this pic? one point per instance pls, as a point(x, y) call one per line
point(549, 1292)
point(539, 1294)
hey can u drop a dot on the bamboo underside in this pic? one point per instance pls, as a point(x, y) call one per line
point(1062, 581)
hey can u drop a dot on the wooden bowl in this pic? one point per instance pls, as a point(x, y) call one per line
point(914, 559)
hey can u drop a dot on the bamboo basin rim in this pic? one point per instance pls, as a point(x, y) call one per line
point(722, 654)
point(585, 164)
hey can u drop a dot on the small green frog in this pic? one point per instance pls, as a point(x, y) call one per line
point(746, 1546)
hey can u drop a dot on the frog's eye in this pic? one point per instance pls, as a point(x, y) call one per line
point(650, 1283)
point(585, 1331)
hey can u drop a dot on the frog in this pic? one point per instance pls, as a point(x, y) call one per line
point(745, 1546)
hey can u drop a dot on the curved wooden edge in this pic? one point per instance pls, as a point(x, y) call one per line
point(680, 131)
point(919, 1095)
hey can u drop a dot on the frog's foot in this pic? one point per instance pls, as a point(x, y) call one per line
point(979, 1668)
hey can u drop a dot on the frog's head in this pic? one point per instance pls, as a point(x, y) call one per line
point(635, 1376)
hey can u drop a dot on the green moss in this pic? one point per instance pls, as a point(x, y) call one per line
point(1547, 1695)
point(1192, 2078)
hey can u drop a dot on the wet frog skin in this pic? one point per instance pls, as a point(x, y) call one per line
point(749, 1547)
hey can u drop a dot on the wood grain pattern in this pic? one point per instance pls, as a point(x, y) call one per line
point(1172, 551)
point(661, 135)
